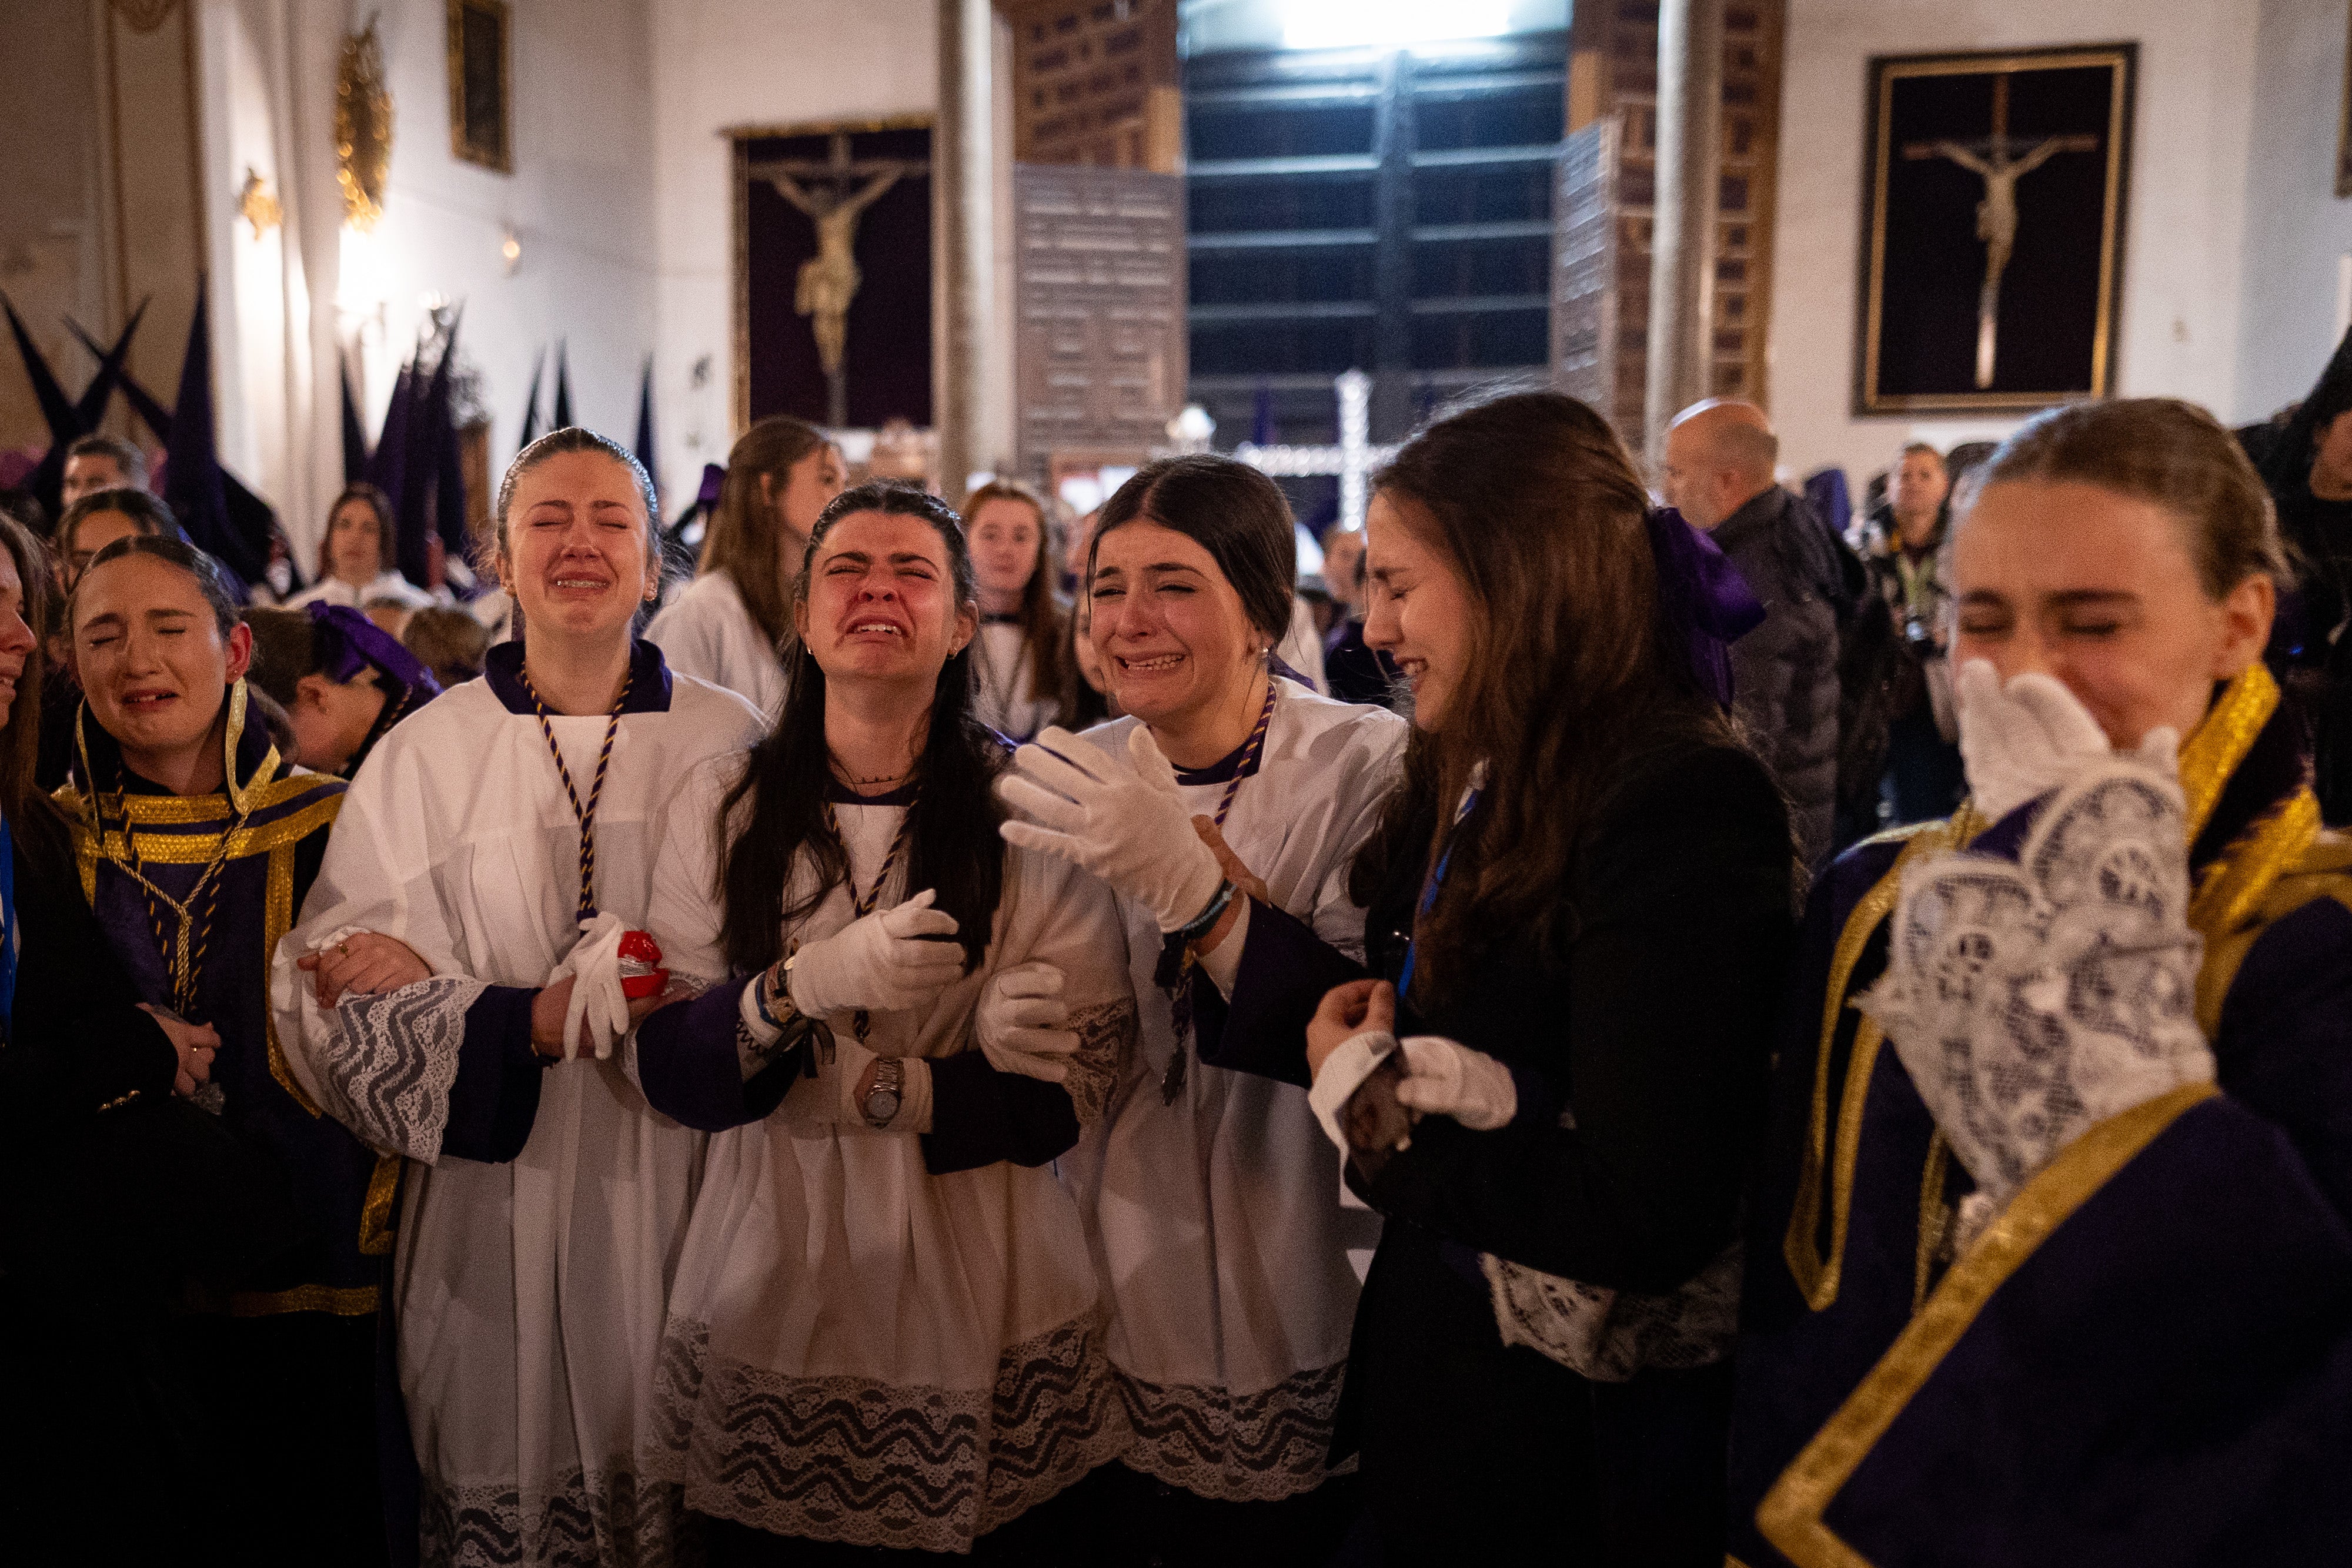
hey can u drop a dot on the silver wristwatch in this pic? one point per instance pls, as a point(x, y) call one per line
point(882, 1101)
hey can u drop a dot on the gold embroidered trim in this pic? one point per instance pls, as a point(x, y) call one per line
point(342, 1301)
point(2213, 749)
point(277, 919)
point(2321, 869)
point(1935, 1218)
point(375, 1214)
point(198, 848)
point(1817, 1277)
point(1790, 1515)
point(2236, 881)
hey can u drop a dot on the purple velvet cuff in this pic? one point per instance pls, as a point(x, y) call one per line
point(1285, 971)
point(980, 1116)
point(495, 1098)
point(690, 1072)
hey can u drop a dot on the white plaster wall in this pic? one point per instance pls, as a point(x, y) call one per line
point(581, 199)
point(723, 63)
point(2186, 224)
point(2298, 231)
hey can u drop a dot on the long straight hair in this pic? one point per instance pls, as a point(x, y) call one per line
point(746, 530)
point(775, 812)
point(1571, 673)
point(21, 799)
point(1044, 619)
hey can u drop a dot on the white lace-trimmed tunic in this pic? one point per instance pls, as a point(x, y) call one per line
point(1003, 683)
point(708, 633)
point(542, 1206)
point(1218, 1219)
point(860, 1350)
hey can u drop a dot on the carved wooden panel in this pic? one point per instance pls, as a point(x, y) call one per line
point(1094, 81)
point(1100, 296)
point(1620, 37)
point(1584, 269)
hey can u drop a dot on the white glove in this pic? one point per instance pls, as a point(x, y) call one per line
point(2021, 741)
point(1023, 1023)
point(2031, 1001)
point(1442, 1078)
point(594, 966)
point(886, 962)
point(1124, 820)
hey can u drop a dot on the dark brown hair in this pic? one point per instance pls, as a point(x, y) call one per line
point(1044, 619)
point(2164, 451)
point(1228, 508)
point(577, 438)
point(744, 537)
point(778, 804)
point(147, 512)
point(212, 577)
point(128, 460)
point(1572, 671)
point(21, 799)
point(377, 502)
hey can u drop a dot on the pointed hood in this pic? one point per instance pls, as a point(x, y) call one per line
point(90, 407)
point(644, 443)
point(563, 388)
point(388, 464)
point(530, 431)
point(449, 470)
point(57, 412)
point(355, 445)
point(191, 480)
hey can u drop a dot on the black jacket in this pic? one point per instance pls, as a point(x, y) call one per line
point(1786, 671)
point(1651, 1022)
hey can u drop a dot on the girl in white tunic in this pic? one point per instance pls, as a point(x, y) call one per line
point(543, 1201)
point(1214, 1199)
point(733, 620)
point(355, 559)
point(886, 1329)
point(1017, 659)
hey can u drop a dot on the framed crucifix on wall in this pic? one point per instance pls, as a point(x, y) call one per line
point(1993, 211)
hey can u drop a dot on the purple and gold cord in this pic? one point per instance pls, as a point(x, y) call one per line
point(585, 817)
point(1180, 989)
point(862, 906)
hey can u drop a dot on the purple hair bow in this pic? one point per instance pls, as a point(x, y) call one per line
point(349, 642)
point(1703, 597)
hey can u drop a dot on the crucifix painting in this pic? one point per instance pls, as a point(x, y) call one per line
point(1993, 235)
point(834, 274)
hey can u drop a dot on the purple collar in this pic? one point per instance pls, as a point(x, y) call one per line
point(648, 679)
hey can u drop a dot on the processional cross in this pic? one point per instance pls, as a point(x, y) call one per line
point(1995, 161)
point(835, 194)
point(1352, 460)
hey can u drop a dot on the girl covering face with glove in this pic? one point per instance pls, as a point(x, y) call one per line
point(884, 1330)
point(2087, 1181)
point(1223, 814)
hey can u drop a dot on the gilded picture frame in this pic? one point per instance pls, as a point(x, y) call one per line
point(1995, 188)
point(2343, 117)
point(481, 82)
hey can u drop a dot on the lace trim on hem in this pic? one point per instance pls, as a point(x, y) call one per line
point(869, 1464)
point(612, 1518)
point(1106, 1037)
point(1259, 1448)
point(1608, 1335)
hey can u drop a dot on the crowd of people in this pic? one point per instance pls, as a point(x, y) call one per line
point(1593, 1031)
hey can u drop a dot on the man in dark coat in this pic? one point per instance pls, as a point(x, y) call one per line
point(2307, 467)
point(1718, 472)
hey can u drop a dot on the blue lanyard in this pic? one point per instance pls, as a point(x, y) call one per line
point(10, 935)
point(1429, 896)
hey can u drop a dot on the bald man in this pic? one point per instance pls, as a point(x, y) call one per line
point(1719, 473)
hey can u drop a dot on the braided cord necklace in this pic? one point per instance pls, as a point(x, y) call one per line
point(184, 947)
point(862, 905)
point(584, 816)
point(1175, 973)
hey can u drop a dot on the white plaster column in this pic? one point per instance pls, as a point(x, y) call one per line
point(973, 402)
